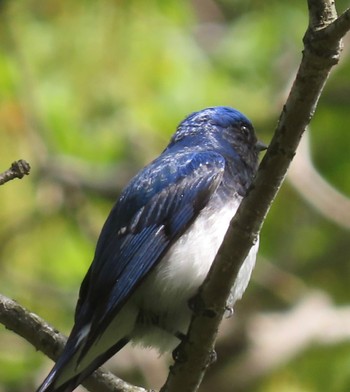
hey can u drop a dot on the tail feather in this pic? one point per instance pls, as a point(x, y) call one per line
point(57, 380)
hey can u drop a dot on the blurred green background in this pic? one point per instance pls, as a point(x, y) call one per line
point(91, 91)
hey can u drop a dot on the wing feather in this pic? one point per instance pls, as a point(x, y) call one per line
point(133, 242)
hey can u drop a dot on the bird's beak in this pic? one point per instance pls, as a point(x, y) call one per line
point(260, 146)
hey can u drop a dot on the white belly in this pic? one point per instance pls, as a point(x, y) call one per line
point(179, 275)
point(187, 263)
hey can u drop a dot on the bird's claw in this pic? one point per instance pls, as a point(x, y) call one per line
point(179, 354)
point(229, 311)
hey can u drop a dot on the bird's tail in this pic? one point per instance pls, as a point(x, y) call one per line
point(67, 373)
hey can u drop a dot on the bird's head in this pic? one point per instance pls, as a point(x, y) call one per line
point(222, 128)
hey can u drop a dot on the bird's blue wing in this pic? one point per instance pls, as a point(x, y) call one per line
point(155, 209)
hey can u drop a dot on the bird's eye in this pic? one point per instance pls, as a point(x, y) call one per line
point(245, 130)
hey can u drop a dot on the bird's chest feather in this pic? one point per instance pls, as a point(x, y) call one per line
point(185, 266)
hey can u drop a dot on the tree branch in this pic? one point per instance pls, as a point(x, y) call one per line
point(315, 189)
point(338, 28)
point(18, 169)
point(48, 340)
point(186, 375)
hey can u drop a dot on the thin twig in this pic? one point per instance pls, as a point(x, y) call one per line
point(337, 29)
point(315, 189)
point(48, 340)
point(18, 169)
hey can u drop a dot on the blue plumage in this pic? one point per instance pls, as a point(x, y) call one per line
point(158, 243)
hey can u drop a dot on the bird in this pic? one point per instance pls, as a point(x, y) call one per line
point(159, 242)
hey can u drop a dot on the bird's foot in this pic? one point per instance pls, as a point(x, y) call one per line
point(229, 311)
point(179, 354)
point(198, 307)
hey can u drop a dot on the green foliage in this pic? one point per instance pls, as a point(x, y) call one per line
point(106, 82)
point(315, 372)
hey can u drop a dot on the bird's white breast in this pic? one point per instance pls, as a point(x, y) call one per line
point(185, 266)
point(176, 279)
point(189, 260)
